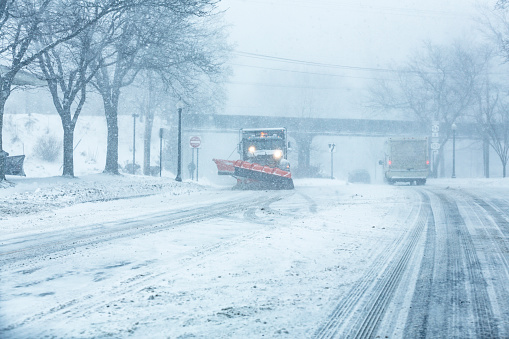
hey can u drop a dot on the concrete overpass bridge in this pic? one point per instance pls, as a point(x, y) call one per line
point(303, 130)
point(318, 126)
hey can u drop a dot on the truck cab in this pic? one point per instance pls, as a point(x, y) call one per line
point(266, 146)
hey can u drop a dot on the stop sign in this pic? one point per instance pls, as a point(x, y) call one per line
point(195, 142)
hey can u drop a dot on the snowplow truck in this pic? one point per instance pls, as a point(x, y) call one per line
point(263, 160)
point(406, 160)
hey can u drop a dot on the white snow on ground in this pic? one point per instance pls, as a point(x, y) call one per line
point(271, 272)
point(30, 195)
point(266, 271)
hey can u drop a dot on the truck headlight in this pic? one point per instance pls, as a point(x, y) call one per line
point(277, 154)
point(251, 149)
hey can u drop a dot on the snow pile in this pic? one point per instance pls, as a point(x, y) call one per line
point(45, 190)
point(21, 196)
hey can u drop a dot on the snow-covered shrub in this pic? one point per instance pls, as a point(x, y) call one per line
point(128, 168)
point(47, 148)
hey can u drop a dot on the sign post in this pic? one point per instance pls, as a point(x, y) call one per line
point(331, 147)
point(195, 142)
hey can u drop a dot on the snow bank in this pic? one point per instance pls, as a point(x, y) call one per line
point(21, 196)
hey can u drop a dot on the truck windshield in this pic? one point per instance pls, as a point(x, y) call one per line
point(264, 144)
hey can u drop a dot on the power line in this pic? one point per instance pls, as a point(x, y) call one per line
point(310, 63)
point(312, 73)
point(326, 65)
point(279, 85)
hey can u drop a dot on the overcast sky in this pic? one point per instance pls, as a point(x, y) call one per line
point(347, 38)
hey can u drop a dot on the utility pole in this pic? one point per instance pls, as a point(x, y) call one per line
point(180, 105)
point(453, 127)
point(161, 132)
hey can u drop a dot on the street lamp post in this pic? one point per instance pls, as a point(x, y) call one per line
point(134, 140)
point(180, 105)
point(161, 133)
point(453, 150)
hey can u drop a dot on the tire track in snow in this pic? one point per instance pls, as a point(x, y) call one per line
point(25, 247)
point(451, 287)
point(498, 210)
point(485, 323)
point(358, 315)
point(138, 282)
point(435, 298)
point(418, 318)
point(492, 216)
point(311, 202)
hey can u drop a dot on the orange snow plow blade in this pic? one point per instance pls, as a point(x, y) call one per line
point(255, 176)
point(224, 167)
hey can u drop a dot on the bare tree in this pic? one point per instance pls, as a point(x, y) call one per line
point(4, 11)
point(22, 24)
point(166, 38)
point(67, 70)
point(438, 84)
point(493, 113)
point(150, 96)
point(493, 121)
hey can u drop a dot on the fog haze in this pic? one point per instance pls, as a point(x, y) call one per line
point(351, 40)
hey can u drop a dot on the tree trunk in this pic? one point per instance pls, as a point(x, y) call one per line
point(2, 107)
point(110, 110)
point(149, 122)
point(68, 168)
point(5, 90)
point(503, 169)
point(112, 147)
point(486, 157)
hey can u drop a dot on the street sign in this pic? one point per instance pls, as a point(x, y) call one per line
point(435, 145)
point(434, 135)
point(195, 142)
point(435, 128)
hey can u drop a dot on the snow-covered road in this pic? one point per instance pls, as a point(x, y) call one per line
point(324, 260)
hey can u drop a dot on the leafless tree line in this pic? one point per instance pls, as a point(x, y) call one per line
point(464, 81)
point(106, 45)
